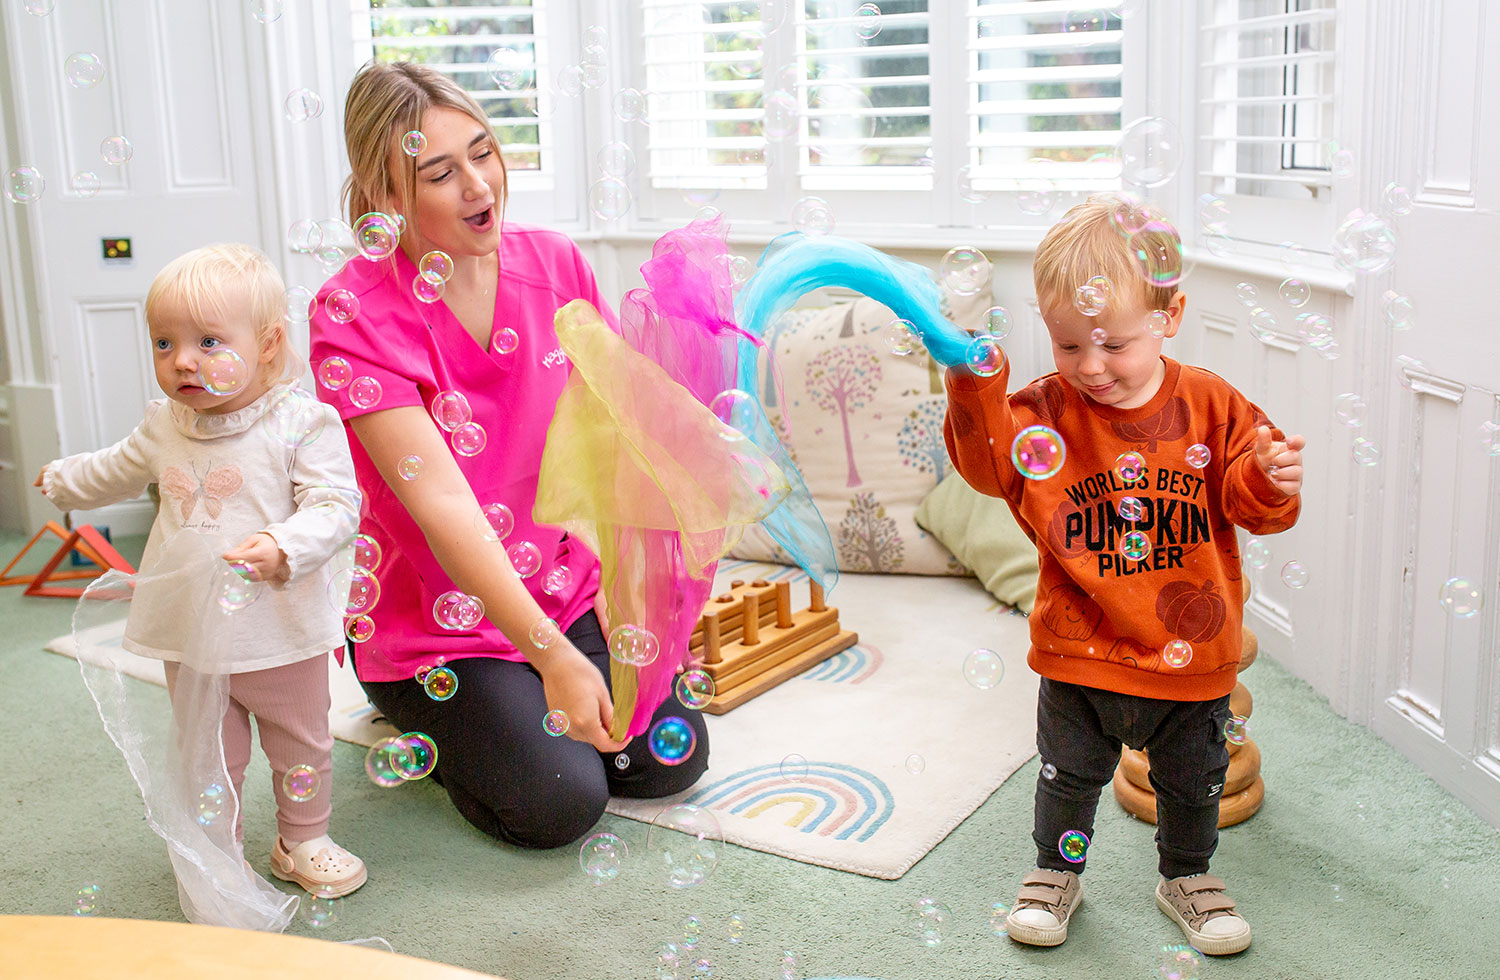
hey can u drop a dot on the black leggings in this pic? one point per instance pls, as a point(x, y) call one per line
point(1079, 731)
point(505, 774)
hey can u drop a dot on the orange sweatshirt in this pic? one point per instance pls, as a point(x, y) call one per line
point(1101, 619)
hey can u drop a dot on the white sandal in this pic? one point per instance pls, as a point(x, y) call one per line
point(319, 865)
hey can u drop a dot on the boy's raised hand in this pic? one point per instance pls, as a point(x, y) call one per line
point(261, 552)
point(1281, 461)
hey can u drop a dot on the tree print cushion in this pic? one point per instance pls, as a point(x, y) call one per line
point(865, 426)
point(983, 534)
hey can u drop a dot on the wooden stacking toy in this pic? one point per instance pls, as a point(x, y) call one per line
point(1244, 790)
point(750, 639)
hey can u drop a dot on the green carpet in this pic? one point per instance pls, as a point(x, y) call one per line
point(1358, 865)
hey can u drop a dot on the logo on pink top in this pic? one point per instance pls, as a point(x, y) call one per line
point(554, 358)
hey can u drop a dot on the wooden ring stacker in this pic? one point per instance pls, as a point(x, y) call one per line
point(1232, 809)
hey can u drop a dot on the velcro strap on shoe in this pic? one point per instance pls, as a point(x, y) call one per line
point(1042, 896)
point(1206, 904)
point(1202, 883)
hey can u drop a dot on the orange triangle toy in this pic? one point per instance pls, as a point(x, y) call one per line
point(86, 541)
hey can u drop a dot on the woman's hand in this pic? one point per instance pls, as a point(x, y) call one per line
point(573, 685)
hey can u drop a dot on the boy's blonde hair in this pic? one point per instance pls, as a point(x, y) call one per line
point(217, 282)
point(1130, 243)
point(386, 101)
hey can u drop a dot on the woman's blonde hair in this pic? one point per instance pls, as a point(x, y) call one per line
point(1127, 241)
point(218, 282)
point(385, 102)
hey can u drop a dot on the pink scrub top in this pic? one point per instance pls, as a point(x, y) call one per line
point(415, 350)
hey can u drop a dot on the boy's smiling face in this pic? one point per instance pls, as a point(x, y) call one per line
point(1125, 370)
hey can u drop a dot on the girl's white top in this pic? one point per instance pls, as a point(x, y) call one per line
point(280, 465)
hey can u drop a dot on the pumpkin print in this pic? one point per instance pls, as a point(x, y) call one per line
point(1133, 654)
point(1195, 614)
point(1166, 425)
point(1057, 532)
point(1045, 400)
point(961, 420)
point(1070, 614)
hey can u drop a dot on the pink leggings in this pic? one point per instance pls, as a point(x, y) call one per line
point(290, 705)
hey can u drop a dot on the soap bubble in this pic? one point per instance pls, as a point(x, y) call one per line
point(1315, 328)
point(984, 357)
point(450, 409)
point(1489, 437)
point(301, 105)
point(968, 192)
point(794, 768)
point(1395, 199)
point(456, 610)
point(505, 340)
point(999, 913)
point(87, 900)
point(294, 418)
point(1179, 961)
point(1365, 452)
point(671, 741)
point(629, 105)
point(965, 270)
point(791, 967)
point(440, 683)
point(386, 760)
point(1342, 164)
point(736, 928)
point(509, 68)
point(1090, 300)
point(39, 8)
point(737, 409)
point(341, 305)
point(695, 689)
point(570, 80)
point(1294, 292)
point(1257, 553)
point(86, 183)
point(300, 783)
point(543, 633)
point(1177, 653)
point(556, 723)
point(616, 159)
point(1157, 252)
point(116, 150)
point(684, 841)
point(1198, 455)
point(1129, 215)
point(1135, 545)
point(1364, 243)
point(365, 392)
point(377, 237)
point(781, 116)
point(1150, 151)
point(1049, 771)
point(413, 143)
point(299, 304)
point(1397, 310)
point(428, 288)
point(1234, 730)
point(867, 21)
point(436, 264)
point(525, 558)
point(930, 921)
point(1085, 22)
point(915, 764)
point(1099, 336)
point(1349, 409)
point(1157, 322)
point(901, 337)
point(334, 373)
point(367, 552)
point(223, 372)
point(1038, 452)
point(1036, 195)
point(83, 69)
point(635, 646)
point(24, 185)
point(983, 669)
point(235, 588)
point(558, 580)
point(1131, 509)
point(495, 522)
point(1294, 575)
point(265, 11)
point(409, 467)
point(360, 629)
point(995, 323)
point(812, 216)
point(600, 857)
point(319, 909)
point(211, 804)
point(468, 439)
point(1130, 465)
point(609, 198)
point(420, 758)
point(1247, 294)
point(1461, 598)
point(1213, 214)
point(354, 591)
point(1073, 846)
point(692, 932)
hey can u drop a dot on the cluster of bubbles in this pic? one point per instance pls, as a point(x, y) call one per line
point(457, 610)
point(633, 645)
point(401, 759)
point(683, 843)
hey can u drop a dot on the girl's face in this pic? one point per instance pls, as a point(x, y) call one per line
point(212, 368)
point(459, 189)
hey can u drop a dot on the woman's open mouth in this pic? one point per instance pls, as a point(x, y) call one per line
point(482, 221)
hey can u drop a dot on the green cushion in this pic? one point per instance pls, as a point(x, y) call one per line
point(983, 534)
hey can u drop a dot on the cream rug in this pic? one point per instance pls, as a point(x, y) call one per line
point(899, 748)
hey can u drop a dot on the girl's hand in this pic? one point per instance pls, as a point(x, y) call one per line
point(38, 481)
point(573, 685)
point(263, 555)
point(1281, 461)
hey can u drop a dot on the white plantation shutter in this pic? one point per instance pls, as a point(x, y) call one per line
point(1266, 100)
point(458, 37)
point(1045, 101)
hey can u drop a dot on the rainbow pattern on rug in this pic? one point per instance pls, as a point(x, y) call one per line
point(830, 799)
point(851, 666)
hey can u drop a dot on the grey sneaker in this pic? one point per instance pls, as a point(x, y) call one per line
point(1047, 899)
point(1207, 916)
